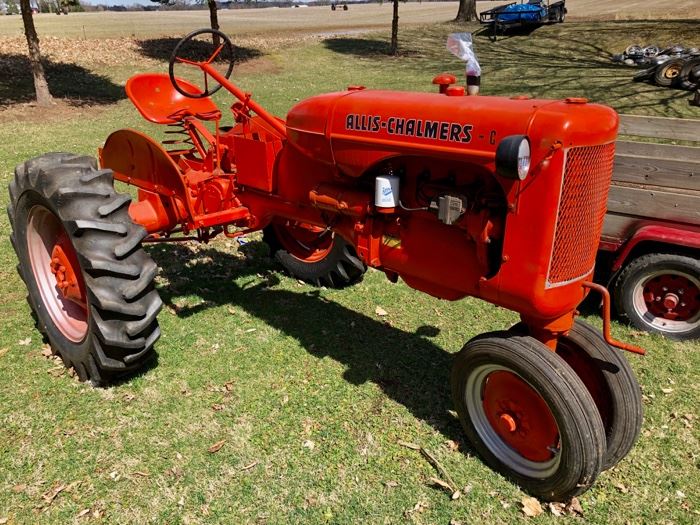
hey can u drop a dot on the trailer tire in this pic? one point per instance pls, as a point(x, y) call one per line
point(688, 78)
point(333, 263)
point(528, 415)
point(645, 278)
point(666, 74)
point(90, 283)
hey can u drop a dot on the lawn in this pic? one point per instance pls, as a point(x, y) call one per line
point(306, 392)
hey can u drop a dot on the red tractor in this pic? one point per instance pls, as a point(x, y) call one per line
point(497, 198)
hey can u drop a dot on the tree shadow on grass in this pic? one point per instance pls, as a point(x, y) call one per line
point(68, 81)
point(365, 47)
point(162, 48)
point(408, 367)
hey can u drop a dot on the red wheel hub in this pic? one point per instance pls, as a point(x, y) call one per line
point(63, 266)
point(57, 273)
point(520, 416)
point(305, 242)
point(672, 297)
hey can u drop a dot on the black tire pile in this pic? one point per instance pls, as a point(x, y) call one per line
point(675, 66)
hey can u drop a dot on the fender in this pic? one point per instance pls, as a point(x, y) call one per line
point(666, 234)
point(139, 160)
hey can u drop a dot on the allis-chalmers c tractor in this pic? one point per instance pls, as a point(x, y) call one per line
point(497, 198)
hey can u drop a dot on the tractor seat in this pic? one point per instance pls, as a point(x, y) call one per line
point(158, 101)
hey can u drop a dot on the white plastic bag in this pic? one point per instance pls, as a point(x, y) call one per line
point(461, 46)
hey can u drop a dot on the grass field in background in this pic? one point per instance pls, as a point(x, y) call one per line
point(310, 390)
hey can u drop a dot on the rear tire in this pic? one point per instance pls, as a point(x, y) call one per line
point(528, 415)
point(63, 200)
point(321, 258)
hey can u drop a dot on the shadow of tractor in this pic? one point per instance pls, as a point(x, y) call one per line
point(408, 367)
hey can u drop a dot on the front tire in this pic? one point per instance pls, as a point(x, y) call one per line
point(660, 292)
point(528, 415)
point(90, 283)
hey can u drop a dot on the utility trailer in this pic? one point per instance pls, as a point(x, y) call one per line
point(530, 13)
point(650, 246)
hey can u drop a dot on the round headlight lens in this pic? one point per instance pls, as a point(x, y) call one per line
point(523, 158)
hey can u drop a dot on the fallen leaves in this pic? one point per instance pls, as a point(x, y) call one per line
point(25, 342)
point(381, 312)
point(449, 484)
point(531, 507)
point(419, 507)
point(249, 466)
point(3, 351)
point(308, 444)
point(50, 495)
point(216, 446)
point(572, 508)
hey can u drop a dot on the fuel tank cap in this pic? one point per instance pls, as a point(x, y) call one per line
point(455, 91)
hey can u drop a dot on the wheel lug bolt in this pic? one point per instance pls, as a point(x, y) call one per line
point(682, 304)
point(657, 298)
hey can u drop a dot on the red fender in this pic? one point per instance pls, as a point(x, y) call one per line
point(138, 160)
point(686, 237)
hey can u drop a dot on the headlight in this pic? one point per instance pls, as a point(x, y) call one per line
point(513, 157)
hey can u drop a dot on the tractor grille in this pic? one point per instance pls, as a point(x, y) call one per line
point(582, 207)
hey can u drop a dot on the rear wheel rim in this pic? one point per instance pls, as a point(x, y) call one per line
point(513, 421)
point(668, 300)
point(57, 273)
point(305, 242)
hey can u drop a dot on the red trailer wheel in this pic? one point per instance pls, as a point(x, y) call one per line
point(90, 283)
point(660, 293)
point(528, 415)
point(315, 255)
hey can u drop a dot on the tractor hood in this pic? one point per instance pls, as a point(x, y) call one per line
point(358, 128)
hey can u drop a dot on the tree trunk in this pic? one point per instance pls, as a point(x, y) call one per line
point(466, 11)
point(395, 30)
point(214, 19)
point(41, 87)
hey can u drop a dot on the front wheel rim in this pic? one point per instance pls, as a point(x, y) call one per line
point(57, 274)
point(513, 421)
point(668, 300)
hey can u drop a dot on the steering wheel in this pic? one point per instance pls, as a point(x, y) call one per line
point(175, 58)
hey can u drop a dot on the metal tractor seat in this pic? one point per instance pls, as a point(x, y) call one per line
point(157, 100)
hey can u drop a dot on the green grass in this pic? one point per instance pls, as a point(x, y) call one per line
point(285, 364)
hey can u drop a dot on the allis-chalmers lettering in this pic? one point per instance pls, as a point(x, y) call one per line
point(411, 127)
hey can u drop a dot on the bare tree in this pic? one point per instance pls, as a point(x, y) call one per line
point(394, 50)
point(41, 86)
point(466, 11)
